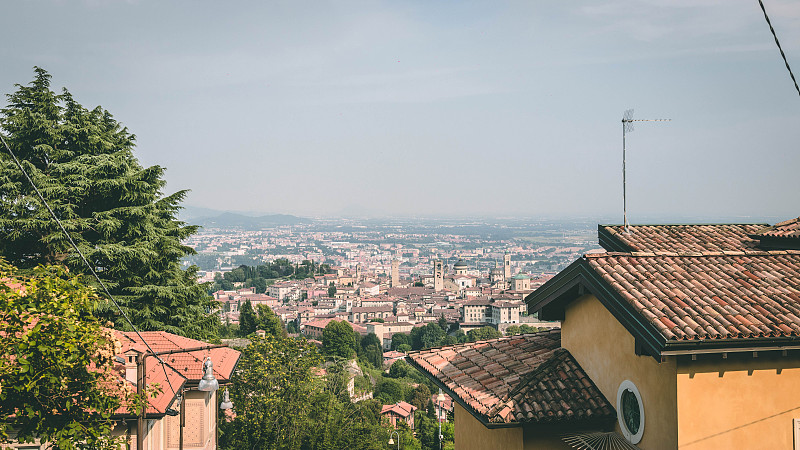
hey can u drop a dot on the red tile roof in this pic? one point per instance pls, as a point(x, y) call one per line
point(678, 238)
point(402, 409)
point(524, 378)
point(190, 365)
point(164, 397)
point(320, 323)
point(786, 229)
point(709, 295)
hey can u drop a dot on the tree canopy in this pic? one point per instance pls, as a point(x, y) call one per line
point(282, 402)
point(113, 208)
point(56, 361)
point(514, 330)
point(339, 339)
point(262, 318)
point(247, 319)
point(371, 350)
point(257, 276)
point(483, 334)
point(430, 335)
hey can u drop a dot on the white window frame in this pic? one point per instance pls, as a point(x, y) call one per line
point(628, 385)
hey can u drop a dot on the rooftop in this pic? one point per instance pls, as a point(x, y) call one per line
point(514, 380)
point(678, 238)
point(189, 365)
point(788, 229)
point(402, 409)
point(709, 295)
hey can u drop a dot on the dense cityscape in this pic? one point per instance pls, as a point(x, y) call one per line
point(387, 269)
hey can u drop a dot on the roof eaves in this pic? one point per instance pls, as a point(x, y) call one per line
point(736, 345)
point(768, 242)
point(578, 279)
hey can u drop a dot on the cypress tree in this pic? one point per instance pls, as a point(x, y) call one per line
point(247, 319)
point(83, 163)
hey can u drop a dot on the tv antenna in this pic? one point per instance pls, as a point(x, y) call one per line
point(627, 127)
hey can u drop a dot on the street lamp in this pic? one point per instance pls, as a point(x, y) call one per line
point(226, 401)
point(439, 402)
point(208, 383)
point(391, 441)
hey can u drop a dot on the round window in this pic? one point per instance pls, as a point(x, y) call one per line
point(630, 411)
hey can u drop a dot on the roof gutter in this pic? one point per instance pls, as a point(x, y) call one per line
point(712, 346)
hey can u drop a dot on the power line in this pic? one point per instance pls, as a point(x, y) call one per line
point(86, 262)
point(779, 46)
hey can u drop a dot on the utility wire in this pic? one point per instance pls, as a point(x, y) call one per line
point(86, 262)
point(779, 46)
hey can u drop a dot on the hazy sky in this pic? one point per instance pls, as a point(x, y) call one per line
point(437, 107)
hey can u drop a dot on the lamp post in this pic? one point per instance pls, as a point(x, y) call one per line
point(391, 441)
point(141, 375)
point(439, 401)
point(226, 401)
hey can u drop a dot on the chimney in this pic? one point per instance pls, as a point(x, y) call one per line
point(130, 365)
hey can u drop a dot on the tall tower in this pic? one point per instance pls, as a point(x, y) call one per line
point(395, 273)
point(438, 275)
point(507, 266)
point(358, 273)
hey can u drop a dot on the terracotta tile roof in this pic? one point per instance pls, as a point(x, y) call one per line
point(402, 409)
point(678, 238)
point(321, 323)
point(524, 378)
point(190, 365)
point(786, 229)
point(158, 404)
point(709, 295)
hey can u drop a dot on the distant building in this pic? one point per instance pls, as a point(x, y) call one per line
point(460, 267)
point(438, 275)
point(395, 273)
point(399, 411)
point(520, 282)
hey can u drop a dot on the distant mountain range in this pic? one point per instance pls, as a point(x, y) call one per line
point(210, 218)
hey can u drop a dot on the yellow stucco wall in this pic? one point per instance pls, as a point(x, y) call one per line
point(739, 402)
point(471, 434)
point(606, 351)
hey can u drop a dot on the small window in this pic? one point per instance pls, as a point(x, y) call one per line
point(630, 411)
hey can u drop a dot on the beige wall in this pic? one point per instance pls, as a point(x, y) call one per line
point(606, 351)
point(739, 402)
point(472, 434)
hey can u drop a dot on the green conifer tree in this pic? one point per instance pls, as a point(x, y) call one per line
point(83, 163)
point(247, 319)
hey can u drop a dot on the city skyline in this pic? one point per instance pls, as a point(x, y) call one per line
point(415, 109)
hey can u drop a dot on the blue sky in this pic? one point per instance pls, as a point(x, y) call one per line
point(438, 108)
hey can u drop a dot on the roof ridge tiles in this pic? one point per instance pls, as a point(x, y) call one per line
point(743, 252)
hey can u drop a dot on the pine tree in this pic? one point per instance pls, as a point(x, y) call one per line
point(247, 319)
point(83, 163)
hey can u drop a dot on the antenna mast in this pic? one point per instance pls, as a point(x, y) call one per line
point(627, 127)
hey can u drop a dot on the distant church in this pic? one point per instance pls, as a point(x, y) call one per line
point(501, 276)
